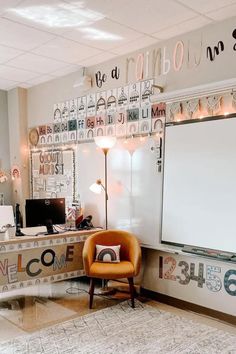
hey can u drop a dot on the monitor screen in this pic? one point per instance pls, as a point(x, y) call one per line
point(40, 212)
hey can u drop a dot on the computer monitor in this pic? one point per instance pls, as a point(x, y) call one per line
point(45, 212)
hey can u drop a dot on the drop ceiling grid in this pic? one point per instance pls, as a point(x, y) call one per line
point(32, 53)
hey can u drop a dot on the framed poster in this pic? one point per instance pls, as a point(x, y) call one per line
point(53, 174)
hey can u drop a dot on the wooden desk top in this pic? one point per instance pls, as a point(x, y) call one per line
point(30, 236)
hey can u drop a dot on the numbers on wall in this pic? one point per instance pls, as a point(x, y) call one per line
point(213, 282)
point(230, 284)
point(168, 274)
point(199, 278)
point(184, 271)
point(168, 265)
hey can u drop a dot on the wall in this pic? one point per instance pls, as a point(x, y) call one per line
point(198, 280)
point(176, 64)
point(6, 187)
point(19, 153)
point(195, 69)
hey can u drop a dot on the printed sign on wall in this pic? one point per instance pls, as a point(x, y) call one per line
point(36, 262)
point(53, 174)
point(126, 111)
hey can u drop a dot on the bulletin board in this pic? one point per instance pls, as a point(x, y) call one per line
point(53, 174)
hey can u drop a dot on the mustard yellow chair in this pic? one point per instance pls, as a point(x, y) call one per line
point(130, 259)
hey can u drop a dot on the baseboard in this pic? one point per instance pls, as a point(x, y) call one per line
point(184, 305)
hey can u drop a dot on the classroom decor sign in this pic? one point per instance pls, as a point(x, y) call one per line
point(123, 112)
point(39, 265)
point(53, 174)
point(203, 281)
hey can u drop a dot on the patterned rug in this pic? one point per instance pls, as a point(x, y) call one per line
point(121, 329)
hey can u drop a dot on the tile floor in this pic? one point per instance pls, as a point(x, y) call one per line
point(27, 310)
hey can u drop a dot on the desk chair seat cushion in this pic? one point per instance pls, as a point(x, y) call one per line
point(111, 271)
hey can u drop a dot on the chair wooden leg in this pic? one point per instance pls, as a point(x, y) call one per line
point(132, 290)
point(91, 292)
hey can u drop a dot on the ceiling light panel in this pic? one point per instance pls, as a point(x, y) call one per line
point(54, 14)
point(6, 5)
point(147, 17)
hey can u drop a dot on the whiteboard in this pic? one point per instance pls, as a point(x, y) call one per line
point(134, 187)
point(199, 194)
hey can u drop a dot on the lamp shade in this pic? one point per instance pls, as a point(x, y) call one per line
point(105, 142)
point(96, 188)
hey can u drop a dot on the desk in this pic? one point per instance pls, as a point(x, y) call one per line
point(31, 260)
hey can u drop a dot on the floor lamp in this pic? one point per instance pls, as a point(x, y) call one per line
point(105, 143)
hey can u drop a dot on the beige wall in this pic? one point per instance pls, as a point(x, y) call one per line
point(196, 69)
point(19, 152)
point(6, 187)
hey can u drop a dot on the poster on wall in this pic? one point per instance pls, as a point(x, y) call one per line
point(57, 113)
point(65, 111)
point(146, 91)
point(53, 174)
point(73, 109)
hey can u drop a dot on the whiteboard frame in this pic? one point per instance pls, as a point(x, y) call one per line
point(186, 246)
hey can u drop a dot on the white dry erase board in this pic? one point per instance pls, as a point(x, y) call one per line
point(134, 186)
point(199, 196)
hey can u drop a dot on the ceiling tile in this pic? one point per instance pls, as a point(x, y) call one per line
point(24, 85)
point(105, 7)
point(98, 59)
point(137, 44)
point(203, 6)
point(66, 70)
point(60, 18)
point(6, 5)
point(21, 37)
point(7, 53)
point(7, 84)
point(33, 62)
point(8, 73)
point(40, 79)
point(66, 50)
point(104, 34)
point(182, 27)
point(223, 13)
point(148, 17)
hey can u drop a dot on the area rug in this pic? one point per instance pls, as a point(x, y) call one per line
point(121, 329)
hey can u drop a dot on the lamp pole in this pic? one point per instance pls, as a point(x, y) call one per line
point(105, 151)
